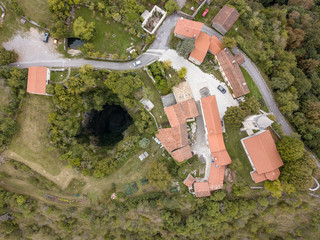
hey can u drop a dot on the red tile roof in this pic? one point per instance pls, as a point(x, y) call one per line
point(188, 28)
point(233, 72)
point(225, 18)
point(182, 154)
point(37, 80)
point(189, 181)
point(263, 154)
point(201, 189)
point(173, 138)
point(201, 47)
point(214, 130)
point(215, 45)
point(216, 177)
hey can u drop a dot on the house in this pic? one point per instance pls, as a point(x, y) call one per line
point(189, 181)
point(201, 189)
point(175, 139)
point(182, 92)
point(232, 74)
point(187, 29)
point(263, 156)
point(225, 19)
point(203, 42)
point(38, 78)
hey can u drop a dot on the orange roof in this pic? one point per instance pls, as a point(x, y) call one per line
point(216, 177)
point(188, 28)
point(263, 154)
point(37, 80)
point(182, 154)
point(180, 112)
point(225, 18)
point(201, 46)
point(173, 138)
point(214, 129)
point(189, 181)
point(215, 45)
point(201, 189)
point(233, 73)
point(239, 58)
point(258, 177)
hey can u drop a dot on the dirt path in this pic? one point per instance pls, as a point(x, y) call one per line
point(62, 179)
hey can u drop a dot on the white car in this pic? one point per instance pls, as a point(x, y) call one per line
point(136, 63)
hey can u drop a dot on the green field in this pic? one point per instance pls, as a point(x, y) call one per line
point(36, 10)
point(110, 38)
point(254, 90)
point(31, 141)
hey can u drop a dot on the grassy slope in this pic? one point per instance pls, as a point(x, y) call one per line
point(104, 41)
point(254, 90)
point(31, 141)
point(36, 10)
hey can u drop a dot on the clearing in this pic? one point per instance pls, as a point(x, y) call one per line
point(110, 36)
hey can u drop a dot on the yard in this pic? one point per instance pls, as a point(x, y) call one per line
point(37, 10)
point(188, 5)
point(254, 90)
point(110, 36)
point(213, 10)
point(208, 66)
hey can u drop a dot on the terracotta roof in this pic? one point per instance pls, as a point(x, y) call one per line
point(214, 131)
point(180, 112)
point(188, 28)
point(263, 154)
point(201, 189)
point(225, 18)
point(182, 154)
point(239, 58)
point(258, 177)
point(173, 138)
point(233, 72)
point(37, 80)
point(216, 177)
point(189, 181)
point(201, 46)
point(215, 45)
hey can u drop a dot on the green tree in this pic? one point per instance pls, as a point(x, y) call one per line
point(184, 49)
point(274, 188)
point(290, 148)
point(171, 6)
point(7, 56)
point(182, 72)
point(83, 30)
point(158, 174)
point(228, 42)
point(234, 115)
point(251, 105)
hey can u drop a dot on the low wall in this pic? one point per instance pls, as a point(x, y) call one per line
point(154, 9)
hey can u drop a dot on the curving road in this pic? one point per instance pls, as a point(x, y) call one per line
point(157, 48)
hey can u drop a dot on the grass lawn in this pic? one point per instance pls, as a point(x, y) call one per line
point(213, 10)
point(158, 110)
point(31, 141)
point(104, 42)
point(187, 7)
point(58, 76)
point(240, 163)
point(254, 90)
point(36, 10)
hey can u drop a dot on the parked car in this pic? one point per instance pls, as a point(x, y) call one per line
point(46, 37)
point(205, 12)
point(136, 63)
point(221, 89)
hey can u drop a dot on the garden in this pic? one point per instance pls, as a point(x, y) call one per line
point(190, 6)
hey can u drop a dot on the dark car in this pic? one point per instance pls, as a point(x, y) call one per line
point(205, 13)
point(221, 89)
point(46, 37)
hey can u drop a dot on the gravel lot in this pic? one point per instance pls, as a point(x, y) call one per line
point(198, 79)
point(30, 47)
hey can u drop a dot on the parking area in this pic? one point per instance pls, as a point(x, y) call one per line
point(199, 81)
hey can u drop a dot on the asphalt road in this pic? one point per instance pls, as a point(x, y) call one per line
point(157, 48)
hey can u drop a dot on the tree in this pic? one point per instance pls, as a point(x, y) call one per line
point(306, 4)
point(158, 173)
point(228, 42)
point(7, 56)
point(251, 105)
point(171, 6)
point(182, 72)
point(185, 48)
point(83, 30)
point(234, 115)
point(274, 188)
point(290, 149)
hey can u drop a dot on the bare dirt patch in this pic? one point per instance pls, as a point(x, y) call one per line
point(30, 47)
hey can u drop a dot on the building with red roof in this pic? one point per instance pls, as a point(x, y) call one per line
point(175, 139)
point(231, 72)
point(38, 78)
point(201, 189)
point(263, 156)
point(225, 19)
point(187, 28)
point(189, 181)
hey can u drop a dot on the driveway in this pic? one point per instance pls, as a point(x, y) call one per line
point(198, 80)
